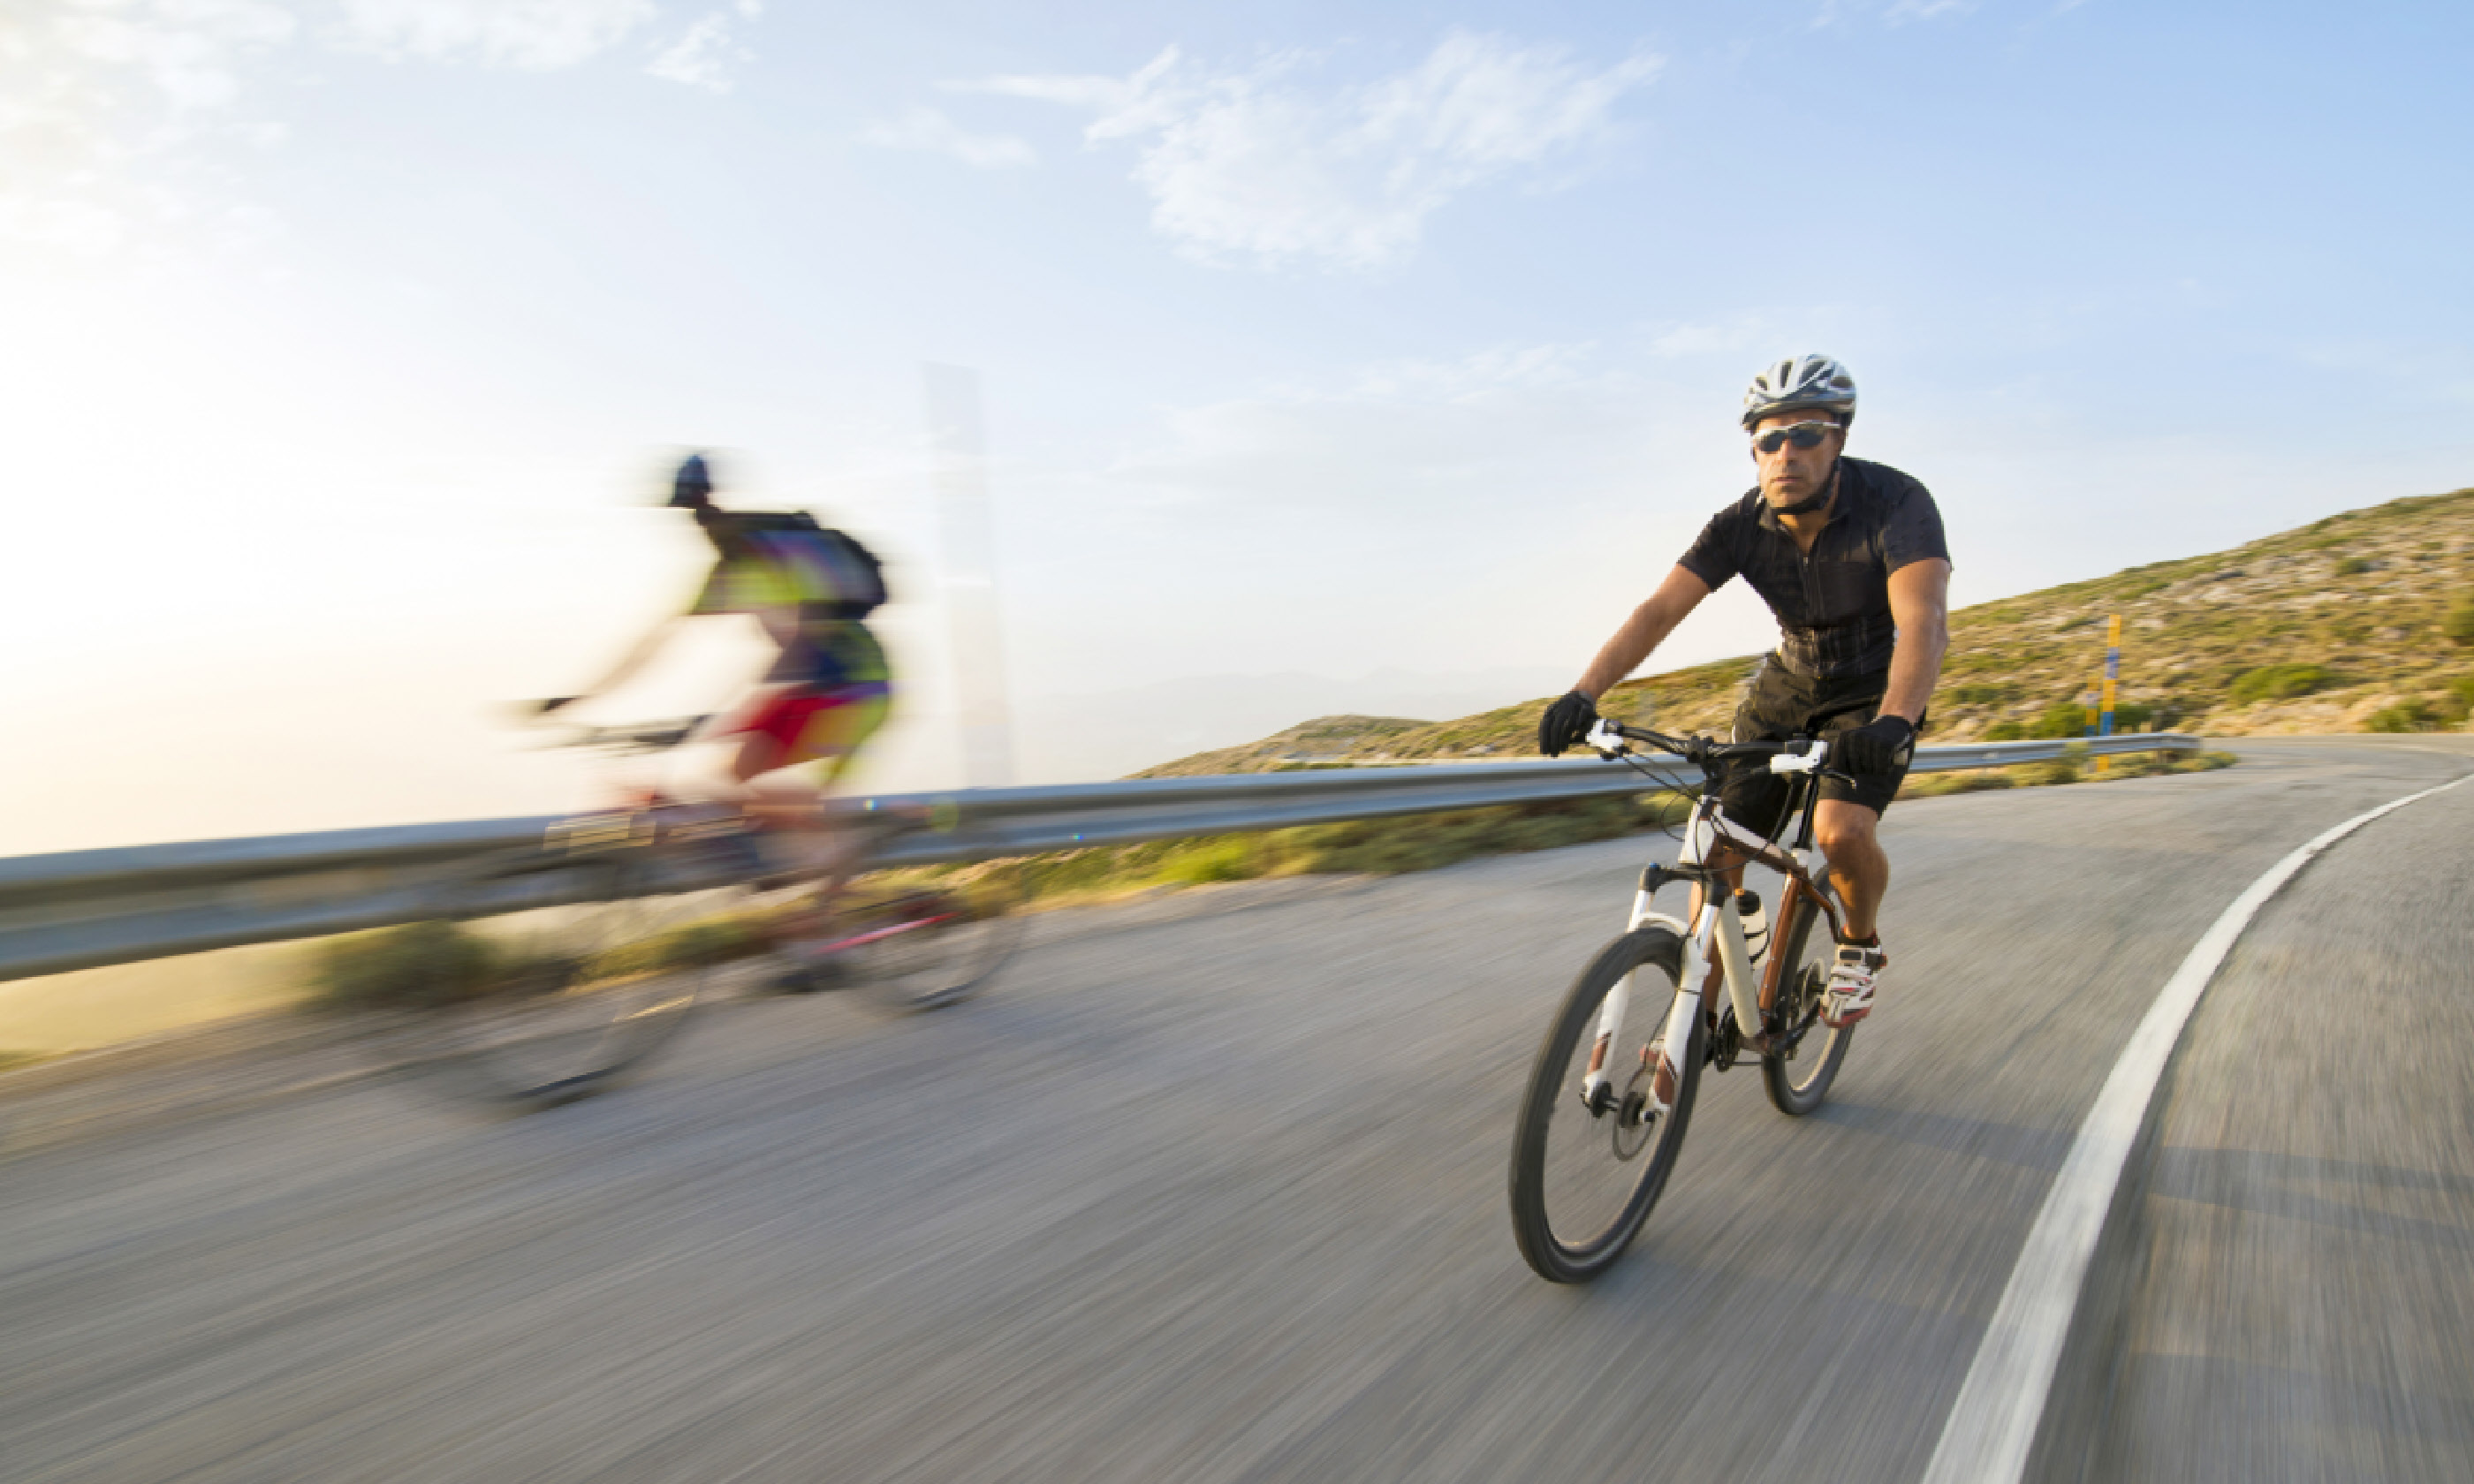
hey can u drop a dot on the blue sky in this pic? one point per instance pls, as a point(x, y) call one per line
point(1316, 340)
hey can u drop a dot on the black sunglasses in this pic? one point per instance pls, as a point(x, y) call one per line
point(1804, 435)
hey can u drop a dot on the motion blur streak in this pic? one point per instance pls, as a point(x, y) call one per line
point(958, 434)
point(1210, 1189)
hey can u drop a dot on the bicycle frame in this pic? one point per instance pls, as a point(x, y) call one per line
point(1715, 952)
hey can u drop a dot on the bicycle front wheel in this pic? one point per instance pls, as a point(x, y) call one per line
point(1587, 1169)
point(568, 972)
point(926, 946)
point(1799, 1078)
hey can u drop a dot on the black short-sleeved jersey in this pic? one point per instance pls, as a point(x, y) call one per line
point(1833, 602)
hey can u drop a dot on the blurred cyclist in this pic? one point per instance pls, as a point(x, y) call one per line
point(829, 688)
point(1849, 555)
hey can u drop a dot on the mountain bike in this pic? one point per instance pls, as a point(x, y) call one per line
point(1611, 1092)
point(549, 971)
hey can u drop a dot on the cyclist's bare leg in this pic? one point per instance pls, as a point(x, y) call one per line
point(794, 812)
point(1858, 867)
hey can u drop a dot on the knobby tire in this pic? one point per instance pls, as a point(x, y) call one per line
point(1557, 1249)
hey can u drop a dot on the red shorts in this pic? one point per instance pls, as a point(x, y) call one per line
point(805, 725)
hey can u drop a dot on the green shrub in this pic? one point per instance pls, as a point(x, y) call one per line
point(395, 966)
point(1932, 783)
point(2142, 765)
point(1227, 859)
point(714, 940)
point(2005, 732)
point(2459, 625)
point(1980, 694)
point(2278, 683)
point(2062, 719)
point(2404, 716)
point(2352, 567)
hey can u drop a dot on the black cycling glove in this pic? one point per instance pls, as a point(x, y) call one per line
point(1880, 745)
point(1567, 720)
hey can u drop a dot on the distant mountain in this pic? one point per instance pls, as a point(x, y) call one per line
point(2343, 625)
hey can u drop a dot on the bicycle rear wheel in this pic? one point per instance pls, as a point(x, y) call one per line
point(572, 972)
point(928, 946)
point(1800, 1079)
point(1584, 1177)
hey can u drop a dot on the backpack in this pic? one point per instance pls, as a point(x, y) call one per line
point(834, 573)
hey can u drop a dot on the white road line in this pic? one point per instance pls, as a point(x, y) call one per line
point(1993, 1423)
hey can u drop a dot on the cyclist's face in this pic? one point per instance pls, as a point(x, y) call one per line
point(1790, 473)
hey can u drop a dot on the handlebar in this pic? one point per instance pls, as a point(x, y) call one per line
point(1805, 754)
point(635, 736)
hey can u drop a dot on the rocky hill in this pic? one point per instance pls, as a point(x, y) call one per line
point(2363, 621)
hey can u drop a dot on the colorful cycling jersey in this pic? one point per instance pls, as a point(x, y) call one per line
point(770, 574)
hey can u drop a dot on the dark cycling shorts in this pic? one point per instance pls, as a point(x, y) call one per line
point(1780, 706)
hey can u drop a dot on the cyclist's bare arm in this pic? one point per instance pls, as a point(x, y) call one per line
point(1920, 606)
point(1646, 629)
point(647, 645)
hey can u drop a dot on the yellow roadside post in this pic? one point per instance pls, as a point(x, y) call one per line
point(2101, 724)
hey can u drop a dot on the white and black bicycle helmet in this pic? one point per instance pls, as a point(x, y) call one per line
point(1804, 382)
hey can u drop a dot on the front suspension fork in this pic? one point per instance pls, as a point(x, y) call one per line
point(1597, 1085)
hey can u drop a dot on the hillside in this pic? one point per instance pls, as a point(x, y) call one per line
point(2343, 625)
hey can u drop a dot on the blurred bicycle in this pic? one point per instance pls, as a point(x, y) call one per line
point(547, 971)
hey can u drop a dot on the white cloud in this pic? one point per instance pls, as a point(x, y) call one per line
point(532, 35)
point(186, 49)
point(102, 100)
point(1258, 165)
point(926, 129)
point(704, 57)
point(89, 89)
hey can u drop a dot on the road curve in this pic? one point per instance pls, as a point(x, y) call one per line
point(1211, 1188)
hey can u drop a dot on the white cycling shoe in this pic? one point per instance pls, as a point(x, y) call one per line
point(1853, 977)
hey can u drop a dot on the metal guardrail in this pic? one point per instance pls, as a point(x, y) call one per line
point(82, 909)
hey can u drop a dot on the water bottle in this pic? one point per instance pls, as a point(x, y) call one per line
point(1757, 925)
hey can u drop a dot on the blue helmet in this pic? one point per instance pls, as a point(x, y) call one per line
point(694, 486)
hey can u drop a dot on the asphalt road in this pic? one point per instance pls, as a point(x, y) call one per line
point(1211, 1188)
point(2307, 1233)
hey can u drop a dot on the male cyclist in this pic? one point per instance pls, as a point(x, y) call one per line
point(828, 687)
point(1849, 556)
